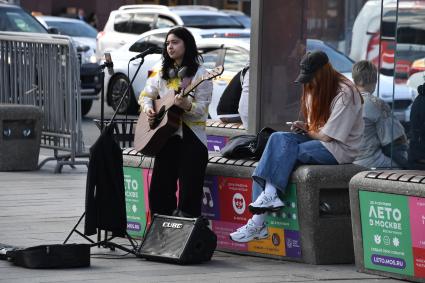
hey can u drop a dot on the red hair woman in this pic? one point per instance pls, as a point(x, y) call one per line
point(330, 134)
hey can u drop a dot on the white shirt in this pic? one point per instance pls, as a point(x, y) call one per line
point(243, 102)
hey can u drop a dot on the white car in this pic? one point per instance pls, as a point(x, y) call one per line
point(234, 54)
point(124, 70)
point(366, 37)
point(128, 22)
point(240, 17)
point(403, 96)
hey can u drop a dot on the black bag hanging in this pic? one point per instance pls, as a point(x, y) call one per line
point(247, 146)
point(238, 147)
point(258, 145)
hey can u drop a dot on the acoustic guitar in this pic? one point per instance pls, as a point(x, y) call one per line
point(151, 135)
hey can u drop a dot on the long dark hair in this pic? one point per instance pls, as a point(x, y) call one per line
point(322, 90)
point(191, 57)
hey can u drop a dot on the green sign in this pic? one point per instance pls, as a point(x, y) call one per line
point(134, 199)
point(287, 217)
point(386, 235)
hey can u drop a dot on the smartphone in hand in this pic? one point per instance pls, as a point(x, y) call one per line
point(296, 129)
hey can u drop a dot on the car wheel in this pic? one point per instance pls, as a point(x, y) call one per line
point(116, 90)
point(86, 106)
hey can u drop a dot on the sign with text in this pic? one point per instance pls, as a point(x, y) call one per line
point(393, 231)
point(222, 229)
point(417, 224)
point(273, 245)
point(210, 198)
point(234, 198)
point(287, 217)
point(216, 143)
point(135, 201)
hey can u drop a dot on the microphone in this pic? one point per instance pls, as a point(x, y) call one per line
point(109, 64)
point(150, 50)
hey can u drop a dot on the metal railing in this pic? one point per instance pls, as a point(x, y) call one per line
point(43, 70)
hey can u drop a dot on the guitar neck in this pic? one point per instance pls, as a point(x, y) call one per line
point(192, 86)
point(210, 75)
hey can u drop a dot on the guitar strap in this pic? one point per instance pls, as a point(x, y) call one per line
point(186, 82)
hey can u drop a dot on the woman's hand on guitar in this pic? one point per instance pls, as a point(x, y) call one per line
point(150, 113)
point(182, 102)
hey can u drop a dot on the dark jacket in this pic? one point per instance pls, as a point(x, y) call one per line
point(105, 193)
point(417, 128)
point(229, 100)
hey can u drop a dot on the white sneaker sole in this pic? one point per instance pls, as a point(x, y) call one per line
point(245, 240)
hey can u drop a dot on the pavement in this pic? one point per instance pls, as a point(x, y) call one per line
point(40, 207)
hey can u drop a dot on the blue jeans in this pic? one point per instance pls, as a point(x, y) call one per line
point(283, 152)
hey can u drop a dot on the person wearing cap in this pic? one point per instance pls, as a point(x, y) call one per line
point(331, 134)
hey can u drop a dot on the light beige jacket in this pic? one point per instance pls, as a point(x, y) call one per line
point(196, 118)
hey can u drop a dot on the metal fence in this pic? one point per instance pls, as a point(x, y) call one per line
point(43, 70)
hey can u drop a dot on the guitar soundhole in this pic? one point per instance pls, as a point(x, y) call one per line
point(158, 118)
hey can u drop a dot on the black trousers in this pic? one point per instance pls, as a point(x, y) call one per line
point(183, 159)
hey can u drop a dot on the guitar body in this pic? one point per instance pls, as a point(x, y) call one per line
point(149, 139)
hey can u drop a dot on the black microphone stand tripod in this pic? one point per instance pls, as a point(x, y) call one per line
point(106, 242)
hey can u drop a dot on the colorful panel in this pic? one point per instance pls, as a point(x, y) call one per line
point(210, 198)
point(216, 143)
point(273, 245)
point(292, 244)
point(135, 201)
point(235, 196)
point(287, 217)
point(386, 235)
point(222, 229)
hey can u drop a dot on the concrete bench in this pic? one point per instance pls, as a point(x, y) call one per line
point(388, 215)
point(314, 226)
point(218, 133)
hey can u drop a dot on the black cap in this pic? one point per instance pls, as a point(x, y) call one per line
point(310, 63)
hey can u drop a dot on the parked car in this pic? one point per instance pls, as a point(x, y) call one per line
point(233, 55)
point(403, 97)
point(128, 22)
point(241, 17)
point(124, 70)
point(84, 37)
point(410, 43)
point(14, 18)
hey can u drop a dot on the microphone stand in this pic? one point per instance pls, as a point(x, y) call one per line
point(101, 70)
point(126, 92)
point(107, 241)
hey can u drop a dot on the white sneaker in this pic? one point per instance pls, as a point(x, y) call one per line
point(266, 203)
point(249, 232)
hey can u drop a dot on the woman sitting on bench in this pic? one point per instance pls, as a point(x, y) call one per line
point(332, 108)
